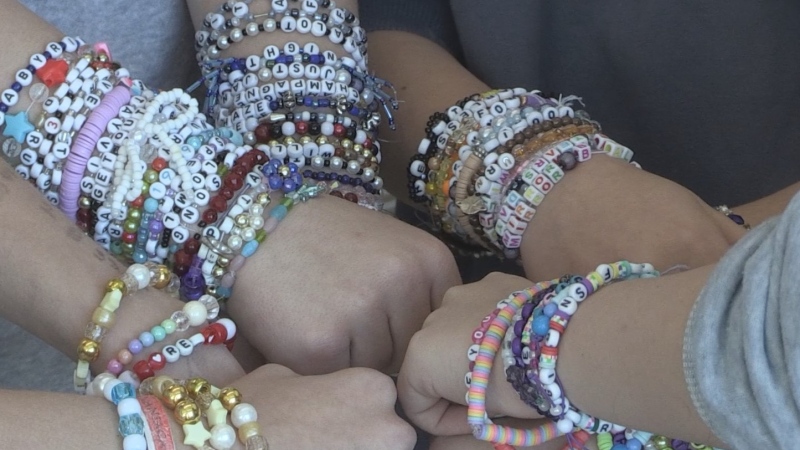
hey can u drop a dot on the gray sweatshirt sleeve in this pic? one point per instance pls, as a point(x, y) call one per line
point(742, 342)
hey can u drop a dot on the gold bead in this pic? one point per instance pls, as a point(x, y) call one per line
point(187, 412)
point(263, 198)
point(242, 220)
point(160, 276)
point(197, 386)
point(347, 144)
point(102, 57)
point(322, 139)
point(661, 442)
point(217, 272)
point(223, 261)
point(230, 397)
point(88, 350)
point(284, 171)
point(288, 140)
point(85, 203)
point(116, 285)
point(248, 430)
point(160, 383)
point(211, 290)
point(127, 248)
point(358, 148)
point(174, 394)
point(273, 143)
point(306, 140)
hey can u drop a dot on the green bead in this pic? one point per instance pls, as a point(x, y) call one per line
point(135, 214)
point(261, 235)
point(159, 333)
point(150, 176)
point(270, 64)
point(116, 247)
point(169, 326)
point(131, 226)
point(288, 203)
point(222, 170)
point(145, 188)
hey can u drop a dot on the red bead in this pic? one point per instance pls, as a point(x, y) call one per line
point(53, 72)
point(215, 333)
point(159, 164)
point(301, 127)
point(229, 343)
point(227, 194)
point(261, 157)
point(156, 361)
point(183, 258)
point(240, 170)
point(180, 269)
point(84, 226)
point(244, 164)
point(192, 246)
point(234, 181)
point(219, 203)
point(368, 144)
point(143, 370)
point(209, 216)
point(339, 130)
point(83, 215)
point(351, 197)
point(138, 202)
point(262, 133)
point(129, 238)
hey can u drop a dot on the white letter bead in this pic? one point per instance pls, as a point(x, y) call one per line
point(185, 346)
point(568, 304)
point(171, 353)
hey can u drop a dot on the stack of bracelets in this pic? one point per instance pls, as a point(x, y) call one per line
point(186, 193)
point(488, 162)
point(526, 329)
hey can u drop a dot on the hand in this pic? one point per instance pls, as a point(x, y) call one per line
point(431, 384)
point(349, 409)
point(337, 286)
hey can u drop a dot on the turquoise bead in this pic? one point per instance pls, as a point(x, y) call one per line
point(151, 205)
point(224, 292)
point(122, 391)
point(131, 424)
point(249, 249)
point(237, 139)
point(279, 212)
point(116, 247)
point(159, 333)
point(195, 142)
point(139, 256)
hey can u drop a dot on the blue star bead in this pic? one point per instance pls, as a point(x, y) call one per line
point(18, 126)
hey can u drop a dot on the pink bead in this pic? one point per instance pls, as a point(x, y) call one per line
point(270, 225)
point(125, 356)
point(115, 367)
point(227, 280)
point(237, 263)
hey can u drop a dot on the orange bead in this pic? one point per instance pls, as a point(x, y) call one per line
point(53, 72)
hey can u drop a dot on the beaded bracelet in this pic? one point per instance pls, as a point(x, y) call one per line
point(132, 426)
point(736, 218)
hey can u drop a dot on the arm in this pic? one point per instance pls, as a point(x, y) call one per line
point(53, 276)
point(760, 210)
point(642, 216)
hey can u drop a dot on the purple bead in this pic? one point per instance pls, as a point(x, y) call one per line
point(298, 180)
point(588, 285)
point(275, 182)
point(332, 176)
point(527, 310)
point(308, 101)
point(324, 103)
point(316, 59)
point(677, 444)
point(289, 185)
point(156, 226)
point(135, 346)
point(356, 181)
point(293, 167)
point(516, 346)
point(308, 173)
point(345, 179)
point(354, 111)
point(192, 280)
point(3, 108)
point(618, 438)
point(319, 176)
point(273, 105)
point(237, 64)
point(737, 219)
point(518, 327)
point(357, 84)
point(282, 59)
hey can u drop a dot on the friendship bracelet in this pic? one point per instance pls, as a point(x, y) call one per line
point(158, 432)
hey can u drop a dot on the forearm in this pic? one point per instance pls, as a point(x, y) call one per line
point(427, 79)
point(762, 209)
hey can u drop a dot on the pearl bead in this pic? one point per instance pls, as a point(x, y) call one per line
point(317, 162)
point(99, 383)
point(257, 222)
point(243, 413)
point(377, 183)
point(248, 234)
point(270, 25)
point(256, 209)
point(236, 35)
point(369, 174)
point(141, 273)
point(235, 242)
point(223, 437)
point(343, 76)
point(196, 313)
point(252, 29)
point(353, 167)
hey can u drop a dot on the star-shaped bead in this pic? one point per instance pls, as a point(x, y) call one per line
point(471, 205)
point(18, 126)
point(216, 414)
point(195, 435)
